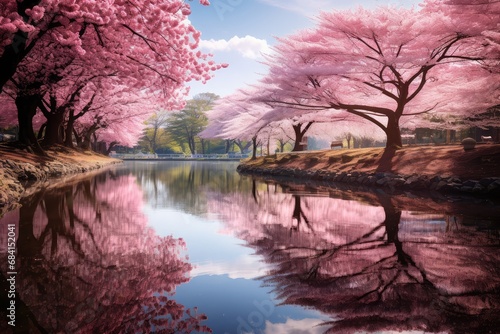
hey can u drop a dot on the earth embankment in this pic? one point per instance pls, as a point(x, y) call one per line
point(22, 173)
point(441, 168)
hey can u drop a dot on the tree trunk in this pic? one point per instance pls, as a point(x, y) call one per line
point(77, 137)
point(153, 140)
point(299, 135)
point(202, 142)
point(243, 148)
point(349, 138)
point(191, 145)
point(85, 142)
point(68, 137)
point(393, 133)
point(12, 56)
point(282, 145)
point(53, 129)
point(239, 144)
point(94, 143)
point(254, 148)
point(227, 145)
point(41, 131)
point(26, 110)
point(298, 138)
point(111, 146)
point(87, 138)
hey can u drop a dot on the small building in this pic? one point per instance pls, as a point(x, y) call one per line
point(490, 127)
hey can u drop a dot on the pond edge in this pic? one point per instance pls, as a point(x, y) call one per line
point(489, 186)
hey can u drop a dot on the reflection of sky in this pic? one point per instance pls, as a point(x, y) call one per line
point(210, 252)
point(223, 284)
point(244, 306)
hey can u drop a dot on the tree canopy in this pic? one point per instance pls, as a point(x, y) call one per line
point(381, 65)
point(55, 53)
point(186, 124)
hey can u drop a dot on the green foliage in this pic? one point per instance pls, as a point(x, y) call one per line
point(155, 135)
point(177, 131)
point(185, 125)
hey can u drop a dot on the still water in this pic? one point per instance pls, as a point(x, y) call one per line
point(193, 247)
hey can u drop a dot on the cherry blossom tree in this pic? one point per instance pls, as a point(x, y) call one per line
point(241, 116)
point(232, 117)
point(461, 13)
point(236, 117)
point(117, 116)
point(36, 77)
point(160, 54)
point(159, 25)
point(382, 65)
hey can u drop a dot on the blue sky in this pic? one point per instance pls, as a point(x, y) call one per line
point(237, 32)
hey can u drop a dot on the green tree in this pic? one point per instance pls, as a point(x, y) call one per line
point(185, 125)
point(154, 129)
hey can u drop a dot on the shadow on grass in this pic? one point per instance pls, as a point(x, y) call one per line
point(385, 162)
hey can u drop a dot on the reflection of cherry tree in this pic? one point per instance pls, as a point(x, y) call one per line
point(88, 263)
point(369, 263)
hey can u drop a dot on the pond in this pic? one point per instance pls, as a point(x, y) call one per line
point(194, 247)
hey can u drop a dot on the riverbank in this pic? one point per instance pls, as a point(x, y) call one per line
point(438, 168)
point(22, 173)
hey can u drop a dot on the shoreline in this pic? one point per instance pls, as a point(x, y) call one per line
point(390, 181)
point(446, 169)
point(22, 173)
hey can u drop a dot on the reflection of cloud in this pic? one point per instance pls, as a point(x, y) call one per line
point(246, 266)
point(304, 326)
point(311, 326)
point(248, 46)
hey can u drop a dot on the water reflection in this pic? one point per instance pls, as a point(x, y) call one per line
point(88, 263)
point(186, 185)
point(369, 260)
point(264, 257)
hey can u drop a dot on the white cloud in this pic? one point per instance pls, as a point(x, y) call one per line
point(248, 46)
